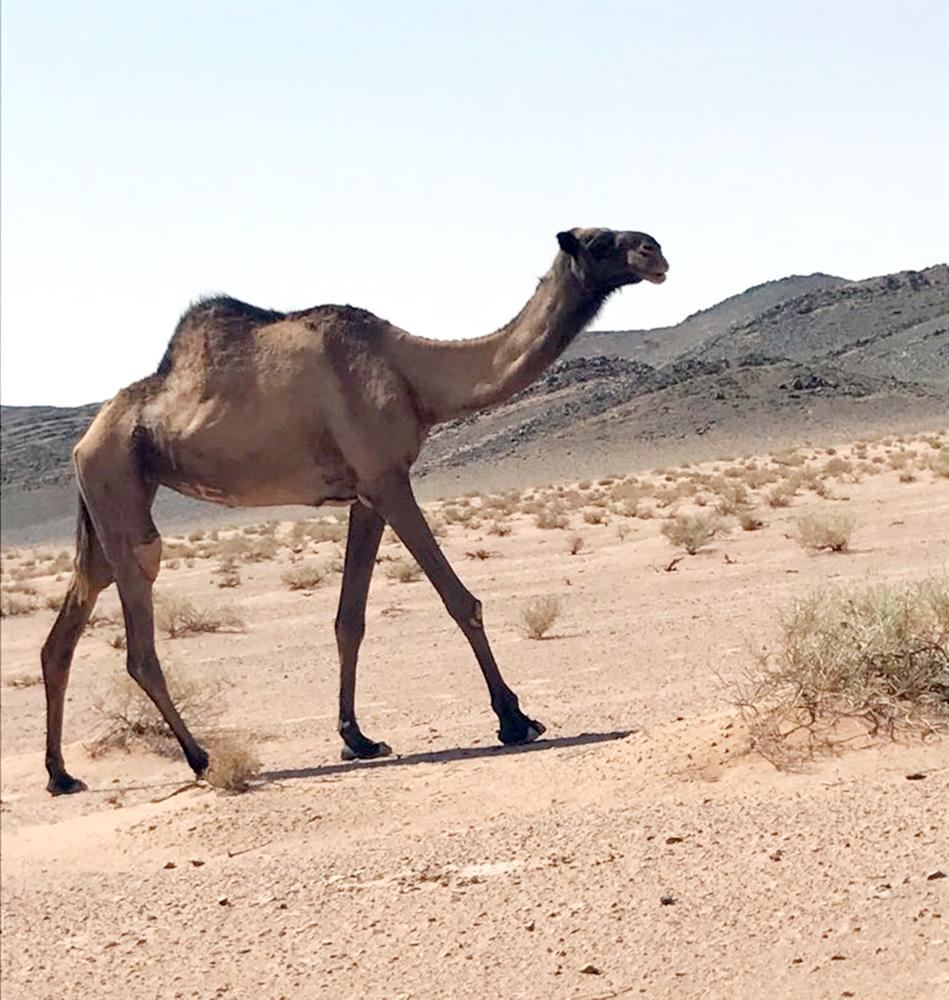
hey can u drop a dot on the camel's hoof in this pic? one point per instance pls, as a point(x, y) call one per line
point(65, 785)
point(534, 731)
point(528, 732)
point(369, 752)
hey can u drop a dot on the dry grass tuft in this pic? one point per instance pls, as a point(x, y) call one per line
point(131, 720)
point(692, 532)
point(552, 517)
point(538, 615)
point(177, 616)
point(234, 762)
point(14, 604)
point(227, 574)
point(939, 463)
point(304, 576)
point(749, 520)
point(404, 571)
point(23, 680)
point(824, 530)
point(877, 656)
point(575, 544)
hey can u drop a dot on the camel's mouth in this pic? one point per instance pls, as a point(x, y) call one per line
point(657, 277)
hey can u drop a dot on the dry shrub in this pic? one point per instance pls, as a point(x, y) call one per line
point(21, 587)
point(824, 530)
point(480, 554)
point(177, 616)
point(908, 476)
point(750, 520)
point(939, 463)
point(594, 516)
point(262, 549)
point(692, 532)
point(14, 604)
point(622, 530)
point(500, 528)
point(404, 571)
point(321, 530)
point(62, 562)
point(304, 576)
point(781, 495)
point(575, 544)
point(539, 614)
point(788, 459)
point(733, 498)
point(552, 517)
point(233, 762)
point(227, 574)
point(130, 719)
point(875, 655)
point(757, 478)
point(173, 549)
point(23, 680)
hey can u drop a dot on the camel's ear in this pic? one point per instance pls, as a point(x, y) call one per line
point(569, 243)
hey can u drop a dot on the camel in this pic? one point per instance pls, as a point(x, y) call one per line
point(251, 407)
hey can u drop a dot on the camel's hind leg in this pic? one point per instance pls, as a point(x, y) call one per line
point(93, 574)
point(119, 504)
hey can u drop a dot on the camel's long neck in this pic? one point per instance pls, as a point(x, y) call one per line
point(455, 378)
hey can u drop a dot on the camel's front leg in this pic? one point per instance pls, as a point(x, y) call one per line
point(365, 531)
point(393, 498)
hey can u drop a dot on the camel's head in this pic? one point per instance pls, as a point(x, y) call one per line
point(607, 259)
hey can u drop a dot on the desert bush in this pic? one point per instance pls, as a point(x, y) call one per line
point(23, 680)
point(575, 544)
point(233, 762)
point(551, 517)
point(757, 478)
point(876, 654)
point(227, 574)
point(824, 530)
point(781, 495)
point(908, 476)
point(480, 554)
point(14, 604)
point(500, 528)
point(129, 718)
point(750, 520)
point(622, 530)
point(177, 616)
point(788, 459)
point(304, 576)
point(733, 497)
point(538, 615)
point(939, 463)
point(594, 516)
point(692, 532)
point(404, 571)
point(53, 602)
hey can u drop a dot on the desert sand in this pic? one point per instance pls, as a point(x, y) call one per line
point(639, 849)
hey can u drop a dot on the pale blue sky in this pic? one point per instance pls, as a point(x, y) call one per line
point(417, 159)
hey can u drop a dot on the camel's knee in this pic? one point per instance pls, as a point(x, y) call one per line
point(466, 610)
point(350, 629)
point(148, 557)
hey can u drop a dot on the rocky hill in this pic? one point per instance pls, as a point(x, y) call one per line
point(803, 357)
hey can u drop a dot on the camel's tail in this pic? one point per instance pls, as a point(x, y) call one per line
point(85, 539)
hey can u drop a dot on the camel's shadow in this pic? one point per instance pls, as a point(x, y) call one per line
point(447, 756)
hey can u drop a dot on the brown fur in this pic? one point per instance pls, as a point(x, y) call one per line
point(253, 407)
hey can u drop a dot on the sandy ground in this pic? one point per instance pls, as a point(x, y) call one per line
point(637, 850)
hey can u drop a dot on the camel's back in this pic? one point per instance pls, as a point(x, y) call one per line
point(225, 333)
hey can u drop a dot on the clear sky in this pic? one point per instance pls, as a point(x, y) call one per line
point(417, 159)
